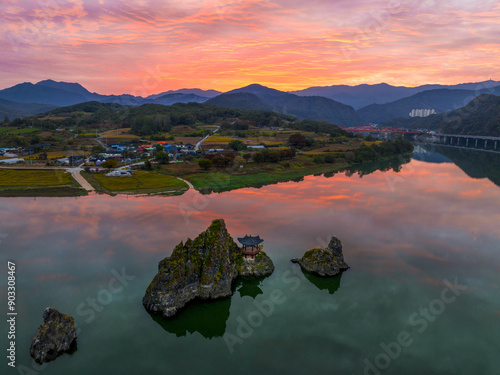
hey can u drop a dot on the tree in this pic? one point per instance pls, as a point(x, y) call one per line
point(162, 157)
point(98, 149)
point(111, 163)
point(297, 140)
point(318, 159)
point(159, 148)
point(205, 164)
point(237, 145)
point(258, 157)
point(147, 165)
point(219, 161)
point(6, 119)
point(329, 158)
point(247, 156)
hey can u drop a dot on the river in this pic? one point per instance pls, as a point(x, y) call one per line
point(421, 296)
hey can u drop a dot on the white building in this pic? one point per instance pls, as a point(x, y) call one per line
point(422, 112)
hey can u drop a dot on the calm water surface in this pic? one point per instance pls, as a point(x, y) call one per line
point(407, 236)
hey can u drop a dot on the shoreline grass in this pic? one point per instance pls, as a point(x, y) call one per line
point(33, 177)
point(142, 182)
point(56, 192)
point(38, 183)
point(219, 181)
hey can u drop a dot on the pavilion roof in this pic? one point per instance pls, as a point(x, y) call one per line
point(250, 240)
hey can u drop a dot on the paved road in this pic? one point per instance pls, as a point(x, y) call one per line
point(187, 182)
point(198, 145)
point(75, 173)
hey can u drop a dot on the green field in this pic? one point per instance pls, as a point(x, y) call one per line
point(16, 131)
point(221, 181)
point(38, 183)
point(31, 178)
point(140, 182)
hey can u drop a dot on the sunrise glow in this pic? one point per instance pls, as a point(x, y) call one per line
point(143, 47)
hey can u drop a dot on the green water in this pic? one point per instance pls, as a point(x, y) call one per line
point(406, 237)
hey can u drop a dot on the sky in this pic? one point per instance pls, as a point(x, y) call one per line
point(144, 47)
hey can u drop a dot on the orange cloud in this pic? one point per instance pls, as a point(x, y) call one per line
point(113, 46)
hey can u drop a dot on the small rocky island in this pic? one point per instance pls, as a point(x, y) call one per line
point(325, 262)
point(56, 336)
point(203, 268)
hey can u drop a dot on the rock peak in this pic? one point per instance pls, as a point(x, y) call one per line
point(203, 268)
point(324, 262)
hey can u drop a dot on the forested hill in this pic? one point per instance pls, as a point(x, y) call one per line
point(315, 108)
point(480, 117)
point(155, 118)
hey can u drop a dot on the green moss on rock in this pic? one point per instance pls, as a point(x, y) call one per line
point(203, 268)
point(324, 262)
point(56, 336)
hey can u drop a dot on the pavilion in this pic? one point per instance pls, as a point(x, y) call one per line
point(251, 245)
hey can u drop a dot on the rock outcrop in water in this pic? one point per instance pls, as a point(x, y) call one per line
point(324, 262)
point(203, 268)
point(261, 266)
point(56, 336)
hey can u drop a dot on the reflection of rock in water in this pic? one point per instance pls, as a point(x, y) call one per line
point(332, 284)
point(249, 287)
point(207, 318)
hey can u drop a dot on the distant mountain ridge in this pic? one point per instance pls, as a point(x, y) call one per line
point(49, 94)
point(311, 108)
point(198, 92)
point(45, 92)
point(332, 109)
point(363, 95)
point(240, 100)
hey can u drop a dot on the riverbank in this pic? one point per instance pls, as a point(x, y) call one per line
point(38, 183)
point(168, 180)
point(141, 182)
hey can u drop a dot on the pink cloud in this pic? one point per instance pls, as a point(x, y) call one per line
point(112, 46)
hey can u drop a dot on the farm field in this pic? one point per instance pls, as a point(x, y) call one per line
point(140, 182)
point(21, 178)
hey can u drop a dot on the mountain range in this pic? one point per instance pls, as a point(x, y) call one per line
point(363, 95)
point(334, 104)
point(303, 107)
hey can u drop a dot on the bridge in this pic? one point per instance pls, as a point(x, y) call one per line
point(480, 142)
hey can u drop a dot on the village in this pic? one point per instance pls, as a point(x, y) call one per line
point(225, 155)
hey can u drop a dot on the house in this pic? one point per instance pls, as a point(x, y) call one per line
point(257, 147)
point(119, 173)
point(171, 149)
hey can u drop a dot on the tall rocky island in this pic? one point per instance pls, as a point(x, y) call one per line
point(324, 262)
point(203, 268)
